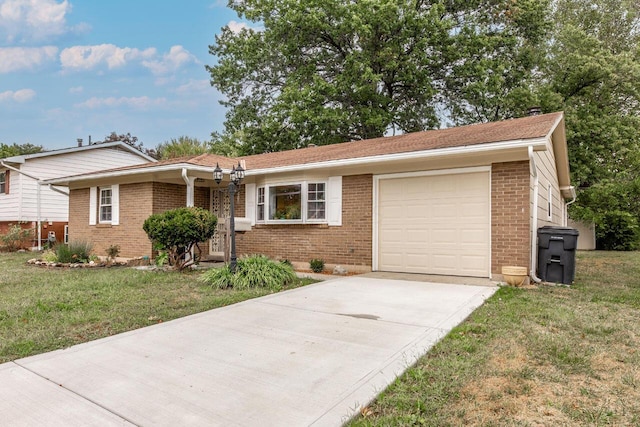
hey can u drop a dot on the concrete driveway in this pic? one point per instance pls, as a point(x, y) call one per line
point(309, 356)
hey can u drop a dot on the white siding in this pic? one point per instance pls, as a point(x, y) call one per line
point(548, 176)
point(55, 206)
point(10, 203)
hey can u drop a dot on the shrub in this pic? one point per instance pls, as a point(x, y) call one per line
point(317, 265)
point(74, 252)
point(618, 231)
point(16, 238)
point(112, 252)
point(256, 271)
point(177, 231)
point(49, 256)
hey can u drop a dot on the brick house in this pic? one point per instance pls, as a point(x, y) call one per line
point(25, 199)
point(462, 201)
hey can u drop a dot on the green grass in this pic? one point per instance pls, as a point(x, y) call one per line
point(47, 309)
point(542, 355)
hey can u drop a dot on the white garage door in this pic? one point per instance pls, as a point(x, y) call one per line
point(435, 224)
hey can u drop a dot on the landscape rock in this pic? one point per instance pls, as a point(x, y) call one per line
point(339, 271)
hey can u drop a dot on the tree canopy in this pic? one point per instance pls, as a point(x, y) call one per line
point(327, 71)
point(180, 147)
point(18, 149)
point(593, 75)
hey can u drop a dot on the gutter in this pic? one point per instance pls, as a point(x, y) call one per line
point(534, 221)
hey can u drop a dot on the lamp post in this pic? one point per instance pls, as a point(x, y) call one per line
point(235, 178)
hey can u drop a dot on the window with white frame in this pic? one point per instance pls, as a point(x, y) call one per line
point(66, 234)
point(295, 202)
point(260, 205)
point(3, 182)
point(550, 202)
point(316, 202)
point(105, 206)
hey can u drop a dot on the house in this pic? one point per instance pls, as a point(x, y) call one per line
point(463, 201)
point(27, 201)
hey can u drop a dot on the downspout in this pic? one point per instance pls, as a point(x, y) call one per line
point(188, 181)
point(534, 221)
point(38, 184)
point(57, 190)
point(566, 205)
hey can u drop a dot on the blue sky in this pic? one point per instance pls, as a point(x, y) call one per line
point(70, 69)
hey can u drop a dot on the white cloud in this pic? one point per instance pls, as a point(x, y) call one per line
point(236, 26)
point(90, 57)
point(171, 61)
point(141, 102)
point(33, 19)
point(76, 89)
point(194, 87)
point(22, 95)
point(25, 58)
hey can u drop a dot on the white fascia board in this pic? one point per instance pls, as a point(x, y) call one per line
point(539, 144)
point(177, 167)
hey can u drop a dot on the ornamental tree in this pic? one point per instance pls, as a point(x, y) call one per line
point(177, 231)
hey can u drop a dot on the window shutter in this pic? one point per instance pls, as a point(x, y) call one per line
point(250, 202)
point(334, 200)
point(115, 204)
point(6, 181)
point(93, 205)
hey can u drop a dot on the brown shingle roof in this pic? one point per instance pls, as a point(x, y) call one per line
point(484, 133)
point(507, 130)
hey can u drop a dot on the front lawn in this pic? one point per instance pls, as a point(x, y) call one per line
point(537, 356)
point(44, 309)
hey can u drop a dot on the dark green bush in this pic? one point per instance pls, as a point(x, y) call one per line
point(256, 271)
point(317, 265)
point(618, 231)
point(178, 230)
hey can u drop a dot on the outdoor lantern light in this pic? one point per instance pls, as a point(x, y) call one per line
point(236, 176)
point(217, 174)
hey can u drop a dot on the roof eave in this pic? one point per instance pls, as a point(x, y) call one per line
point(538, 144)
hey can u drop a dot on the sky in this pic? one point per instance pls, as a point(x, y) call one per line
point(74, 68)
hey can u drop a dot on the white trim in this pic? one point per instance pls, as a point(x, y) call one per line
point(537, 143)
point(115, 204)
point(333, 196)
point(439, 172)
point(304, 190)
point(100, 190)
point(93, 205)
point(135, 170)
point(250, 202)
point(99, 145)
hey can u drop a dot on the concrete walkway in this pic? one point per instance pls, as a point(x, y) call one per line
point(309, 356)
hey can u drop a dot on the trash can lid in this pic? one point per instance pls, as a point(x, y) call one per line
point(554, 229)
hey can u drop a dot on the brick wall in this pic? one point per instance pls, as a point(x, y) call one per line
point(510, 215)
point(349, 244)
point(135, 207)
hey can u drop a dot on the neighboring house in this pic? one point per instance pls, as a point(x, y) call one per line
point(462, 201)
point(26, 201)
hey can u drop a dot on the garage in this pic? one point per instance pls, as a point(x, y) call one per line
point(434, 223)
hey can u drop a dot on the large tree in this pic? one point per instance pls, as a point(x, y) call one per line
point(593, 75)
point(327, 71)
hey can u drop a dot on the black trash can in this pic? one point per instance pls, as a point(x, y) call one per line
point(557, 254)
